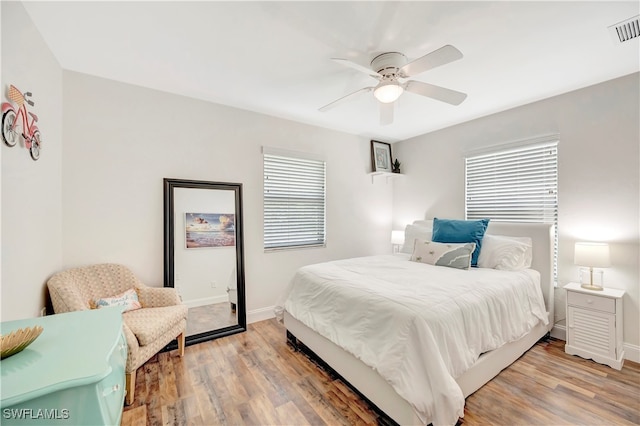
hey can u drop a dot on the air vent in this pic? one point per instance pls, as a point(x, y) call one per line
point(626, 30)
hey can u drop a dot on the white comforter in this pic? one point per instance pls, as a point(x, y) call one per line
point(419, 326)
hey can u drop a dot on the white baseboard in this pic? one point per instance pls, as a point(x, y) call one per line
point(559, 332)
point(206, 301)
point(260, 314)
point(631, 352)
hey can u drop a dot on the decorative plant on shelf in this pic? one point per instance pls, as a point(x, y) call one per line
point(396, 166)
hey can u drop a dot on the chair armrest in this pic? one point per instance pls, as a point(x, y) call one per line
point(156, 297)
point(133, 348)
point(66, 297)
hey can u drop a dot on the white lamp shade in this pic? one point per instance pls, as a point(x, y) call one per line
point(397, 237)
point(595, 255)
point(388, 92)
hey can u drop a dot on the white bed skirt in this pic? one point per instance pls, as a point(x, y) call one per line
point(369, 383)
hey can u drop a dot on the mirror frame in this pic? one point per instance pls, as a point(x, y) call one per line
point(169, 251)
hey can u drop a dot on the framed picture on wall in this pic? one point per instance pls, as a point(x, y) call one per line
point(381, 157)
point(206, 230)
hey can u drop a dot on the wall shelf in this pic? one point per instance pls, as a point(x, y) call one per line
point(386, 175)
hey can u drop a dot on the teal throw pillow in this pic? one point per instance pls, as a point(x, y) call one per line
point(461, 231)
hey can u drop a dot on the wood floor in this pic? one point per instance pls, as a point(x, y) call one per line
point(255, 378)
point(210, 317)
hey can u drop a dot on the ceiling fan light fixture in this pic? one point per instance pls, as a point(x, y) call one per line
point(388, 92)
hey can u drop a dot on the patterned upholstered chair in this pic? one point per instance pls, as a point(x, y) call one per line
point(161, 319)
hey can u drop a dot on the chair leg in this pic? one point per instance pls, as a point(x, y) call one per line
point(181, 344)
point(130, 386)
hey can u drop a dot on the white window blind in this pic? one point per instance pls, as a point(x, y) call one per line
point(519, 184)
point(294, 202)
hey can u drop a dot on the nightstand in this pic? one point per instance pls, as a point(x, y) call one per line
point(594, 324)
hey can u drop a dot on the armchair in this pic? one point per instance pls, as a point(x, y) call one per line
point(147, 330)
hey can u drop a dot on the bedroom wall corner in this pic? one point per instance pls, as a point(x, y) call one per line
point(599, 178)
point(31, 190)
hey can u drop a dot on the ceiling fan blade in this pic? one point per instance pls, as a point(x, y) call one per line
point(442, 56)
point(386, 113)
point(348, 63)
point(436, 92)
point(344, 98)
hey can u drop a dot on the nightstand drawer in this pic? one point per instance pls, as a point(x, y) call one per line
point(589, 301)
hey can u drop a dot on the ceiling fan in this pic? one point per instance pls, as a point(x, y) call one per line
point(392, 70)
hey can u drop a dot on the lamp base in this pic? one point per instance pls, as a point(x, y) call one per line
point(590, 279)
point(591, 287)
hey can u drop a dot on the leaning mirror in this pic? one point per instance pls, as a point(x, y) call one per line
point(203, 257)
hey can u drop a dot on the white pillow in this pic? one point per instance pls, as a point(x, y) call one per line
point(506, 253)
point(128, 300)
point(411, 232)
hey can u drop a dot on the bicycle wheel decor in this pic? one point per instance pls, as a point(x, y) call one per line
point(9, 132)
point(34, 150)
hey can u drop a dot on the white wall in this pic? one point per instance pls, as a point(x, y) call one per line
point(31, 192)
point(599, 182)
point(120, 141)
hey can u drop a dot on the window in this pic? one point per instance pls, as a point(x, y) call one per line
point(294, 201)
point(517, 184)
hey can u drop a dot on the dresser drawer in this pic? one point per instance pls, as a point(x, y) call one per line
point(111, 389)
point(604, 304)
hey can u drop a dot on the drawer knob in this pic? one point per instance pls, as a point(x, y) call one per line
point(112, 389)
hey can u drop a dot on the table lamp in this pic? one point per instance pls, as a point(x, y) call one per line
point(592, 255)
point(397, 239)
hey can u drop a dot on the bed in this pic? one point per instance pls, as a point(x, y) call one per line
point(437, 395)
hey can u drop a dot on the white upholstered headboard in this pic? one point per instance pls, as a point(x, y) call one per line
point(542, 237)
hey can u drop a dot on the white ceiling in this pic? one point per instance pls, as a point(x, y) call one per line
point(274, 57)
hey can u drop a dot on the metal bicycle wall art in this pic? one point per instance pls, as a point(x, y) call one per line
point(16, 123)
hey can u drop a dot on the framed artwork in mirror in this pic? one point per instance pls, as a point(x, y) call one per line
point(204, 255)
point(207, 230)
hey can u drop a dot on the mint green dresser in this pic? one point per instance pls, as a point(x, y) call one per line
point(72, 374)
